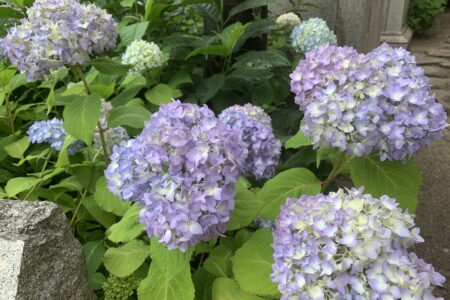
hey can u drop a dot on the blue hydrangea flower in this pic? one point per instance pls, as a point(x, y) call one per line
point(52, 132)
point(182, 169)
point(311, 34)
point(58, 33)
point(263, 148)
point(143, 56)
point(363, 104)
point(349, 245)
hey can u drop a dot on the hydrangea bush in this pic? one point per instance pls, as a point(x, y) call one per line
point(234, 190)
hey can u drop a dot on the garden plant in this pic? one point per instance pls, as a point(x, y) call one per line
point(206, 149)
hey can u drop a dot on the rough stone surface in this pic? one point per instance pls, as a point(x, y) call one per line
point(40, 259)
point(433, 212)
point(395, 31)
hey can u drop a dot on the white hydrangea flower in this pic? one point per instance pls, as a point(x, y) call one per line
point(143, 56)
point(288, 20)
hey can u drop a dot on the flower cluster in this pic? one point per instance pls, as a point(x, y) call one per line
point(364, 103)
point(349, 246)
point(58, 33)
point(263, 148)
point(143, 56)
point(288, 20)
point(52, 132)
point(113, 136)
point(182, 170)
point(311, 34)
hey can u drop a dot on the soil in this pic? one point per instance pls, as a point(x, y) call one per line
point(433, 213)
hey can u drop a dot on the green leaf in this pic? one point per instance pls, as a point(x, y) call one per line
point(297, 141)
point(178, 79)
point(107, 200)
point(203, 282)
point(227, 289)
point(96, 280)
point(81, 116)
point(133, 32)
point(103, 217)
point(160, 94)
point(93, 255)
point(128, 228)
point(129, 115)
point(17, 148)
point(127, 3)
point(218, 262)
point(247, 206)
point(261, 60)
point(249, 4)
point(218, 50)
point(231, 34)
point(15, 82)
point(7, 12)
point(290, 183)
point(170, 261)
point(392, 178)
point(71, 183)
point(108, 66)
point(209, 87)
point(157, 285)
point(252, 265)
point(20, 184)
point(124, 260)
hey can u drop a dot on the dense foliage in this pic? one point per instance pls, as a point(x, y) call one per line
point(422, 14)
point(233, 191)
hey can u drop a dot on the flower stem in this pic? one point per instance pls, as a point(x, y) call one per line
point(10, 117)
point(338, 167)
point(99, 126)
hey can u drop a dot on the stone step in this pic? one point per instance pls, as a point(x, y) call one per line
point(439, 52)
point(423, 59)
point(439, 83)
point(437, 71)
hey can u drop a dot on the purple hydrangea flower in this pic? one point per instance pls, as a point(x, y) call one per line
point(182, 170)
point(361, 104)
point(349, 245)
point(52, 132)
point(263, 148)
point(58, 33)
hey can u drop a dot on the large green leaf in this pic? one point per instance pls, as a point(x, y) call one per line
point(252, 265)
point(297, 141)
point(107, 200)
point(227, 289)
point(209, 87)
point(17, 148)
point(20, 184)
point(108, 66)
point(290, 183)
point(169, 276)
point(249, 4)
point(128, 228)
point(159, 94)
point(217, 50)
point(231, 34)
point(133, 32)
point(218, 262)
point(247, 206)
point(81, 117)
point(124, 260)
point(203, 282)
point(103, 217)
point(393, 178)
point(7, 12)
point(93, 255)
point(129, 115)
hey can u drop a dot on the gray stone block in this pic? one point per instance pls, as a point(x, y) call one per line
point(40, 259)
point(395, 29)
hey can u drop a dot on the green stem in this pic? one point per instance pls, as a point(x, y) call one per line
point(338, 167)
point(72, 221)
point(99, 126)
point(47, 159)
point(10, 117)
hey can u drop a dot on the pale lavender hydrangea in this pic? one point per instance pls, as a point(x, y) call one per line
point(263, 148)
point(311, 34)
point(182, 169)
point(52, 132)
point(361, 104)
point(58, 33)
point(349, 245)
